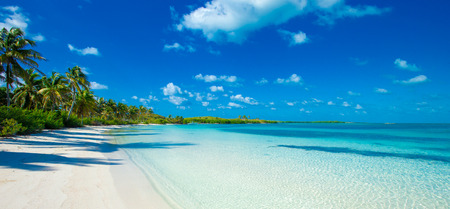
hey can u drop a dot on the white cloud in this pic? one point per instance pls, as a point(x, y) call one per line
point(343, 11)
point(216, 88)
point(403, 64)
point(232, 104)
point(95, 85)
point(134, 97)
point(358, 107)
point(331, 103)
point(247, 100)
point(211, 97)
point(316, 100)
point(148, 100)
point(38, 38)
point(198, 97)
point(381, 91)
point(305, 111)
point(415, 80)
point(233, 20)
point(345, 104)
point(294, 38)
point(181, 107)
point(85, 70)
point(176, 100)
point(204, 104)
point(85, 51)
point(351, 93)
point(290, 103)
point(262, 81)
point(273, 108)
point(171, 90)
point(14, 19)
point(293, 79)
point(213, 78)
point(178, 47)
point(174, 46)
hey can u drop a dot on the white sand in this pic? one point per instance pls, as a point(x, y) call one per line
point(71, 168)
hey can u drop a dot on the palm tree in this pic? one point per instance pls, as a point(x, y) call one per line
point(76, 81)
point(54, 90)
point(27, 95)
point(14, 51)
point(85, 104)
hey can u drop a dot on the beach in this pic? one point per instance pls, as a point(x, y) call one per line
point(71, 168)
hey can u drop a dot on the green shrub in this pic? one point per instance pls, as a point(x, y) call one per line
point(10, 127)
point(32, 121)
point(53, 120)
point(73, 121)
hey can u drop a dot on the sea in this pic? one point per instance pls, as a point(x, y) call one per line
point(294, 165)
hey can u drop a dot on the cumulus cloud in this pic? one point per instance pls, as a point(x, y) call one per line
point(146, 101)
point(247, 100)
point(198, 97)
point(176, 100)
point(178, 47)
point(85, 51)
point(403, 64)
point(211, 97)
point(345, 104)
point(205, 104)
point(293, 79)
point(134, 97)
point(97, 86)
point(213, 78)
point(232, 21)
point(415, 80)
point(11, 16)
point(38, 38)
point(232, 104)
point(290, 103)
point(262, 81)
point(294, 38)
point(171, 89)
point(358, 107)
point(216, 88)
point(331, 103)
point(381, 91)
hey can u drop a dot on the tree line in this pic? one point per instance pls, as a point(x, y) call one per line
point(68, 97)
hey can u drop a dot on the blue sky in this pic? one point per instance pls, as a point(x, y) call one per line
point(368, 61)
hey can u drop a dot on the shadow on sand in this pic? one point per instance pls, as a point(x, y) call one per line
point(27, 161)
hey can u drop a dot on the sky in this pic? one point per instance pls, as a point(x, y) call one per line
point(299, 60)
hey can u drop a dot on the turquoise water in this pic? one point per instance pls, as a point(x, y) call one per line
point(295, 165)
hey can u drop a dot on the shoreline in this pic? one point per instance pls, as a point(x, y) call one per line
point(72, 168)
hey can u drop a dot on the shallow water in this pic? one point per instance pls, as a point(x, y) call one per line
point(295, 165)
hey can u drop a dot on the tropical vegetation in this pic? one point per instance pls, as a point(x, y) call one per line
point(32, 101)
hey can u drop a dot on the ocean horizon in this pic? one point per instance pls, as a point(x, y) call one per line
point(298, 165)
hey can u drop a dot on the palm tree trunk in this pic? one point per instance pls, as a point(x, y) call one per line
point(8, 72)
point(71, 107)
point(81, 119)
